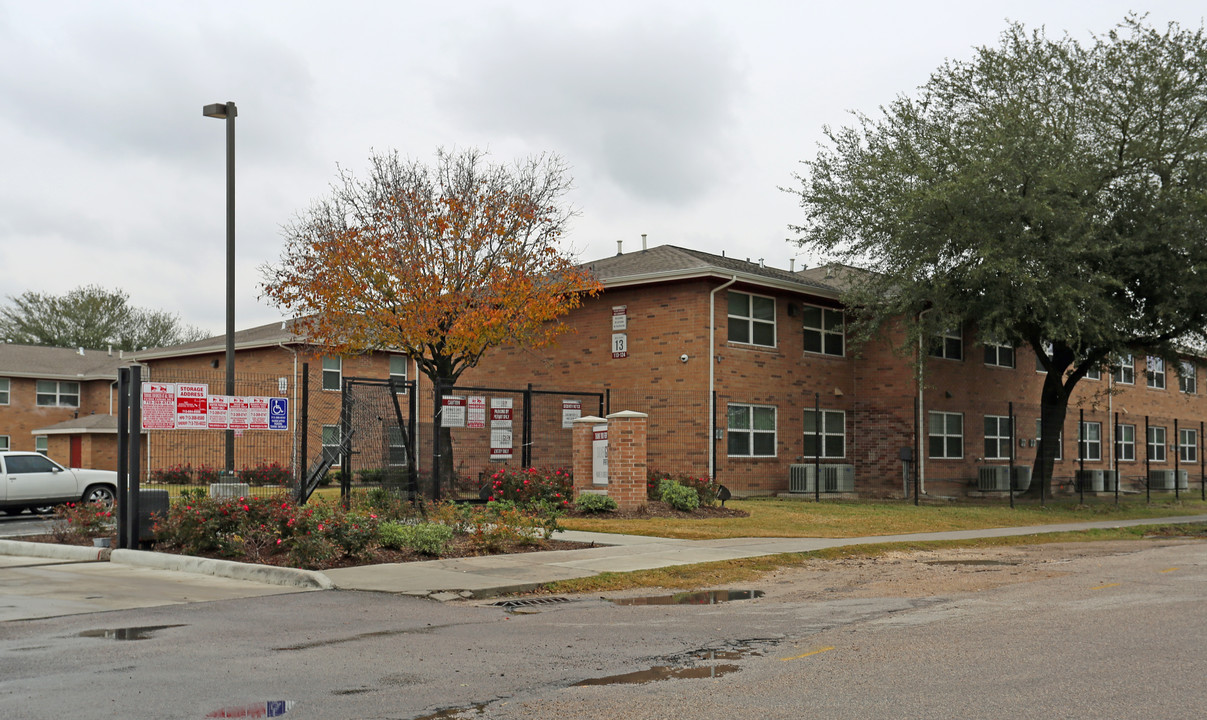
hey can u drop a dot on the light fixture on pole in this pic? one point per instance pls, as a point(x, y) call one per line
point(227, 111)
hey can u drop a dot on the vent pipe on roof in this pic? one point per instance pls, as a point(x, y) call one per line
point(110, 351)
point(761, 263)
point(620, 247)
point(643, 241)
point(791, 264)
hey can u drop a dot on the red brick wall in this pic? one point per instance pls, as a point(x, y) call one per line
point(22, 415)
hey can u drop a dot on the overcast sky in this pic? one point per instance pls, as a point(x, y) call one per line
point(680, 119)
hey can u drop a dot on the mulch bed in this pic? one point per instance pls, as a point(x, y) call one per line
point(462, 546)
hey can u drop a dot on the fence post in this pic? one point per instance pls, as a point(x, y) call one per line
point(1118, 470)
point(1011, 411)
point(123, 456)
point(437, 392)
point(304, 463)
point(135, 452)
point(1081, 443)
point(1148, 490)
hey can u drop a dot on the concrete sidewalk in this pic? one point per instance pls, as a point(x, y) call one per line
point(498, 574)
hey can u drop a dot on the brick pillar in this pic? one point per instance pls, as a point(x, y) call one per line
point(582, 436)
point(626, 458)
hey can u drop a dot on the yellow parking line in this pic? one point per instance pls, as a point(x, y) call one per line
point(815, 652)
point(1100, 587)
point(1169, 570)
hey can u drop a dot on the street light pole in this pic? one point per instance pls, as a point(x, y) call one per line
point(227, 111)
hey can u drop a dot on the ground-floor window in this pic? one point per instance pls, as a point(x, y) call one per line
point(946, 435)
point(396, 449)
point(1089, 441)
point(1156, 443)
point(1126, 442)
point(831, 432)
point(41, 444)
point(1188, 445)
point(331, 443)
point(751, 430)
point(997, 437)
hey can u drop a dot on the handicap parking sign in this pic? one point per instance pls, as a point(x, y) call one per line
point(278, 413)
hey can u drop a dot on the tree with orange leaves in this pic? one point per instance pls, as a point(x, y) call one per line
point(442, 262)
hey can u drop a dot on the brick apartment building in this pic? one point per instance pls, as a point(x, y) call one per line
point(672, 329)
point(60, 402)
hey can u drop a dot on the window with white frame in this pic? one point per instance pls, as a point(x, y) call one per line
point(823, 330)
point(4, 443)
point(4, 390)
point(397, 449)
point(1125, 369)
point(398, 368)
point(1154, 371)
point(1094, 373)
point(1156, 443)
point(1039, 438)
point(946, 435)
point(1089, 441)
point(999, 355)
point(1188, 445)
point(1047, 348)
point(1188, 381)
point(831, 433)
point(948, 344)
point(56, 393)
point(333, 368)
point(997, 437)
point(42, 444)
point(751, 430)
point(331, 443)
point(751, 319)
point(1125, 442)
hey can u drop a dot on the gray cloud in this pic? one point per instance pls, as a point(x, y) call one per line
point(650, 106)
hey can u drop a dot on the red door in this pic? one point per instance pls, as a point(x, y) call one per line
point(76, 451)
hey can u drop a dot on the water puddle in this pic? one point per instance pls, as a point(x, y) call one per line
point(476, 710)
point(971, 562)
point(704, 597)
point(270, 709)
point(684, 668)
point(128, 633)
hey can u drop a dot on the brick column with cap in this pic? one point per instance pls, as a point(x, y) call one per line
point(582, 436)
point(626, 458)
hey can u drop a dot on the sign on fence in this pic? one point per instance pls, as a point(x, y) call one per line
point(189, 406)
point(500, 429)
point(452, 411)
point(571, 411)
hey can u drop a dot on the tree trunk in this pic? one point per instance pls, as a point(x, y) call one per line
point(1054, 407)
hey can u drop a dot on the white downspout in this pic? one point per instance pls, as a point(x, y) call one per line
point(712, 371)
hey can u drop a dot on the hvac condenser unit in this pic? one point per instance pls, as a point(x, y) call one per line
point(996, 478)
point(1090, 480)
point(834, 478)
point(1110, 478)
point(1163, 479)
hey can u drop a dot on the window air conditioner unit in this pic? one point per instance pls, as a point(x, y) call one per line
point(1164, 479)
point(834, 478)
point(1090, 480)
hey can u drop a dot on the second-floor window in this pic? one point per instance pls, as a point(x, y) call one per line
point(751, 319)
point(948, 344)
point(1188, 381)
point(332, 372)
point(999, 355)
point(1125, 370)
point(823, 330)
point(56, 393)
point(1154, 371)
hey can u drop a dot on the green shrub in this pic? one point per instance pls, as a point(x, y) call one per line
point(679, 496)
point(425, 538)
point(705, 488)
point(593, 503)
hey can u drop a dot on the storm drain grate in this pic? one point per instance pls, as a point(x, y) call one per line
point(529, 602)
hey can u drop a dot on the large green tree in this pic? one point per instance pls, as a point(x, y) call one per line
point(90, 317)
point(1048, 192)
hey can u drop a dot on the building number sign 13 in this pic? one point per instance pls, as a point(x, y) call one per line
point(620, 345)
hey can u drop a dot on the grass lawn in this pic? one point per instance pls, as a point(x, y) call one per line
point(782, 517)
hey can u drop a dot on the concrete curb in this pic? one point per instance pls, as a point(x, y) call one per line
point(269, 574)
point(54, 551)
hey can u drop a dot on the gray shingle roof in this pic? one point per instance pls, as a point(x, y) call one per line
point(670, 261)
point(85, 424)
point(261, 336)
point(51, 363)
